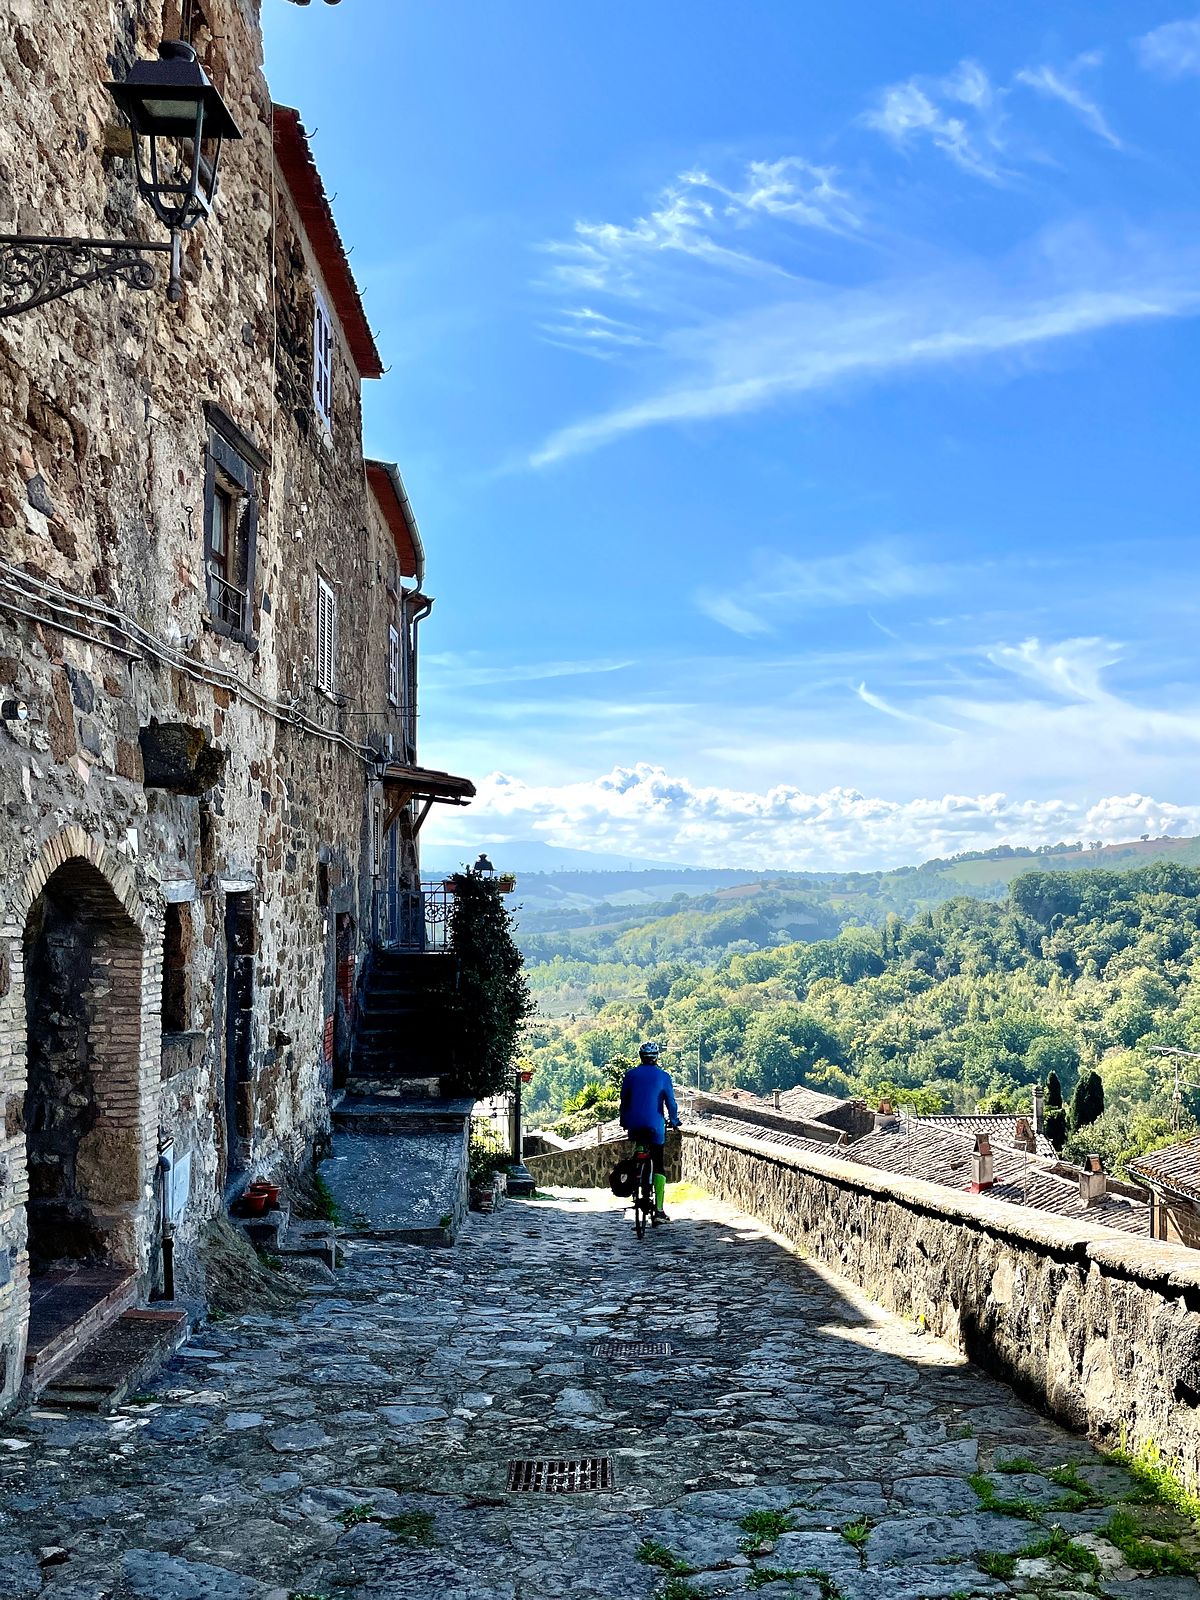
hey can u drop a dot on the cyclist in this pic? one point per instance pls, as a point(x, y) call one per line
point(646, 1092)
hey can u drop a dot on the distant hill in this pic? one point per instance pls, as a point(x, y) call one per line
point(700, 914)
point(535, 855)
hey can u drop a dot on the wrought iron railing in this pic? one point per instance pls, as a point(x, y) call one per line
point(226, 601)
point(418, 919)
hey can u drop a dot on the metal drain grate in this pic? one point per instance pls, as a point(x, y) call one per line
point(585, 1475)
point(632, 1349)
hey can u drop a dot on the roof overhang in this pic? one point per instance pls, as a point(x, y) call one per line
point(387, 487)
point(422, 783)
point(299, 171)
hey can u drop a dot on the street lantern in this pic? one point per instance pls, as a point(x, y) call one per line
point(172, 105)
point(171, 102)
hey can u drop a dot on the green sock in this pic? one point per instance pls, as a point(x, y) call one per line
point(660, 1190)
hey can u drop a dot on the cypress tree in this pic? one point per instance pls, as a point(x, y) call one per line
point(1053, 1090)
point(1087, 1103)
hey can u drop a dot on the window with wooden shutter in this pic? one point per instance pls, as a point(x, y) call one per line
point(233, 466)
point(322, 363)
point(326, 635)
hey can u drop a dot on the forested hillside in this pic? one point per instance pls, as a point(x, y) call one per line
point(970, 1002)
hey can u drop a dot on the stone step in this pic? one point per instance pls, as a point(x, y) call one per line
point(119, 1360)
point(68, 1308)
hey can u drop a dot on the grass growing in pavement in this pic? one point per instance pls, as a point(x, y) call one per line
point(763, 1528)
point(857, 1532)
point(1014, 1464)
point(681, 1589)
point(326, 1205)
point(414, 1527)
point(657, 1555)
point(762, 1576)
point(1055, 1546)
point(829, 1589)
point(1148, 1555)
point(1158, 1478)
point(1015, 1506)
point(677, 1192)
point(353, 1515)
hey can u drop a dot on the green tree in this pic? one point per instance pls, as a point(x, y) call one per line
point(1087, 1103)
point(1053, 1091)
point(491, 998)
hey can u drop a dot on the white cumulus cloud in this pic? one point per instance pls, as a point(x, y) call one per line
point(644, 810)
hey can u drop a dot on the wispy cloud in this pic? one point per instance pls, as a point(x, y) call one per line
point(1172, 51)
point(1072, 668)
point(703, 218)
point(815, 338)
point(959, 114)
point(1064, 86)
point(450, 671)
point(782, 586)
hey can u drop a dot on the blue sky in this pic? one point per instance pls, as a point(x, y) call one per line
point(799, 406)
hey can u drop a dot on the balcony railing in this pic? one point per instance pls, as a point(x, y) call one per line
point(226, 601)
point(417, 919)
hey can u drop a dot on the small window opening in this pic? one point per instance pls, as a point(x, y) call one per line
point(176, 1008)
point(322, 363)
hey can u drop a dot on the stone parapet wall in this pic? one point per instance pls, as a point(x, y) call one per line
point(1101, 1329)
point(588, 1166)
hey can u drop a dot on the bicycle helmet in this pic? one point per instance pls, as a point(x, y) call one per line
point(649, 1052)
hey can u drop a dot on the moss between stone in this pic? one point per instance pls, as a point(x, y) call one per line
point(1160, 1557)
point(654, 1554)
point(1006, 1507)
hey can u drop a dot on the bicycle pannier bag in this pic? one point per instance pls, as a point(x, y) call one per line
point(623, 1179)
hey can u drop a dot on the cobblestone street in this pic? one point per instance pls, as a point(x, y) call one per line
point(795, 1442)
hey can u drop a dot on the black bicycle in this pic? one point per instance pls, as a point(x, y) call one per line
point(643, 1190)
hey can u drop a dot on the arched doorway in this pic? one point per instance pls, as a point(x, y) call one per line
point(84, 1128)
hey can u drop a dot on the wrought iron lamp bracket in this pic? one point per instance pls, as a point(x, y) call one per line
point(34, 270)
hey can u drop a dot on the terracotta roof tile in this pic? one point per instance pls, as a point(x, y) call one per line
point(1000, 1129)
point(1175, 1168)
point(294, 155)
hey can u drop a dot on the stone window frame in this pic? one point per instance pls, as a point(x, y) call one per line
point(323, 342)
point(325, 659)
point(233, 467)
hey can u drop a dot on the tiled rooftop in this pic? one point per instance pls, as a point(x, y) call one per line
point(1175, 1169)
point(1001, 1130)
point(938, 1151)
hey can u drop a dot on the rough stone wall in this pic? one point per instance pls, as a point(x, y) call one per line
point(103, 441)
point(588, 1166)
point(1100, 1328)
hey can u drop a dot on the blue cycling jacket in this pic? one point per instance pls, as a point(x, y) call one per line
point(645, 1090)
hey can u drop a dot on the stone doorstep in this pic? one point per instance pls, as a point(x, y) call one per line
point(119, 1360)
point(268, 1231)
point(48, 1358)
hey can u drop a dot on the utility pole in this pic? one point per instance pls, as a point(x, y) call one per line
point(1181, 1083)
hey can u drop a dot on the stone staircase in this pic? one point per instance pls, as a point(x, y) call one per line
point(90, 1344)
point(400, 1041)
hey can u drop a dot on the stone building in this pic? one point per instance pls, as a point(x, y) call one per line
point(208, 616)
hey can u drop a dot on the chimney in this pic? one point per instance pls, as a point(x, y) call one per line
point(776, 1099)
point(1093, 1181)
point(1039, 1109)
point(982, 1164)
point(1025, 1138)
point(886, 1119)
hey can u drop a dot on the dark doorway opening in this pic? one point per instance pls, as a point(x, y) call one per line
point(83, 993)
point(239, 1018)
point(343, 1029)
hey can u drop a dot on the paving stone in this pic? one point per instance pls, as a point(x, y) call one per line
point(911, 1539)
point(20, 1575)
point(940, 1496)
point(298, 1436)
point(158, 1577)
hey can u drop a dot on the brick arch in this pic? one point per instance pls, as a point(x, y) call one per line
point(115, 1163)
point(76, 844)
